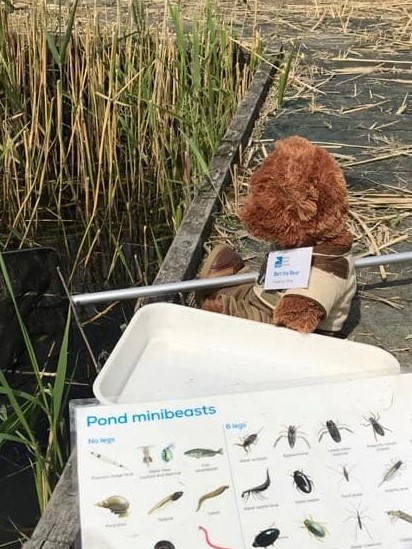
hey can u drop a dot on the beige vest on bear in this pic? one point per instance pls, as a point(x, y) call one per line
point(332, 284)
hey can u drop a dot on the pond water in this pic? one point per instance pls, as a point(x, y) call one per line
point(45, 318)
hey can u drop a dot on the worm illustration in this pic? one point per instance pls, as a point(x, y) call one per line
point(210, 544)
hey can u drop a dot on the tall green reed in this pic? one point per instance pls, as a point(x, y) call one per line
point(283, 77)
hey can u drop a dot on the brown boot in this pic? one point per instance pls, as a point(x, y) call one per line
point(222, 261)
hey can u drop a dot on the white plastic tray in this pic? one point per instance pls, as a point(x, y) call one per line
point(170, 351)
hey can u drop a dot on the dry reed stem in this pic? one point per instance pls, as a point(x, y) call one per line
point(371, 239)
point(373, 297)
point(407, 151)
point(367, 60)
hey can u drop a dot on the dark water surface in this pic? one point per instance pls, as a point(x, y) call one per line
point(43, 305)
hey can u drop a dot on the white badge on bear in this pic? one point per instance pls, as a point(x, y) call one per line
point(288, 269)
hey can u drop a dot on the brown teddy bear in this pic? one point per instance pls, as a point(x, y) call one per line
point(297, 199)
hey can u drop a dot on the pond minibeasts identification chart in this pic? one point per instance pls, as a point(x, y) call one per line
point(324, 466)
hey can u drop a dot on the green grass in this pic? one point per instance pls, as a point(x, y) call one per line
point(283, 77)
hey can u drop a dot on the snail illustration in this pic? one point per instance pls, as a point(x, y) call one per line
point(116, 504)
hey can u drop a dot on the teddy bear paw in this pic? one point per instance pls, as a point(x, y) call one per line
point(298, 313)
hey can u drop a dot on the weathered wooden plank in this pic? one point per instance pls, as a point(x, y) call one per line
point(360, 90)
point(346, 82)
point(367, 59)
point(329, 41)
point(354, 128)
point(59, 525)
point(372, 75)
point(367, 119)
point(338, 102)
point(332, 132)
point(372, 178)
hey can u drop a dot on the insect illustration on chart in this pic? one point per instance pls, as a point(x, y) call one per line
point(315, 529)
point(147, 458)
point(203, 452)
point(345, 473)
point(108, 460)
point(334, 430)
point(360, 517)
point(392, 471)
point(166, 454)
point(210, 495)
point(292, 434)
point(256, 491)
point(208, 541)
point(302, 482)
point(165, 501)
point(118, 505)
point(265, 538)
point(395, 515)
point(377, 428)
point(248, 441)
point(164, 544)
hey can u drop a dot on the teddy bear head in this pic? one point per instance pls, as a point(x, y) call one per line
point(297, 197)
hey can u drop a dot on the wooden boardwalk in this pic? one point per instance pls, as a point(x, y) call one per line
point(353, 98)
point(357, 102)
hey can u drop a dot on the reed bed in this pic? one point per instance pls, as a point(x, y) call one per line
point(107, 129)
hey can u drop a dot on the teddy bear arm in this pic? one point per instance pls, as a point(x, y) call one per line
point(298, 313)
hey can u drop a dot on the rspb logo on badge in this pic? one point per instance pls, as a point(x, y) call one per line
point(280, 262)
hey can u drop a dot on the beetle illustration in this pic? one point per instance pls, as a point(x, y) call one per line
point(316, 529)
point(334, 431)
point(266, 537)
point(164, 544)
point(303, 483)
point(292, 434)
point(377, 428)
